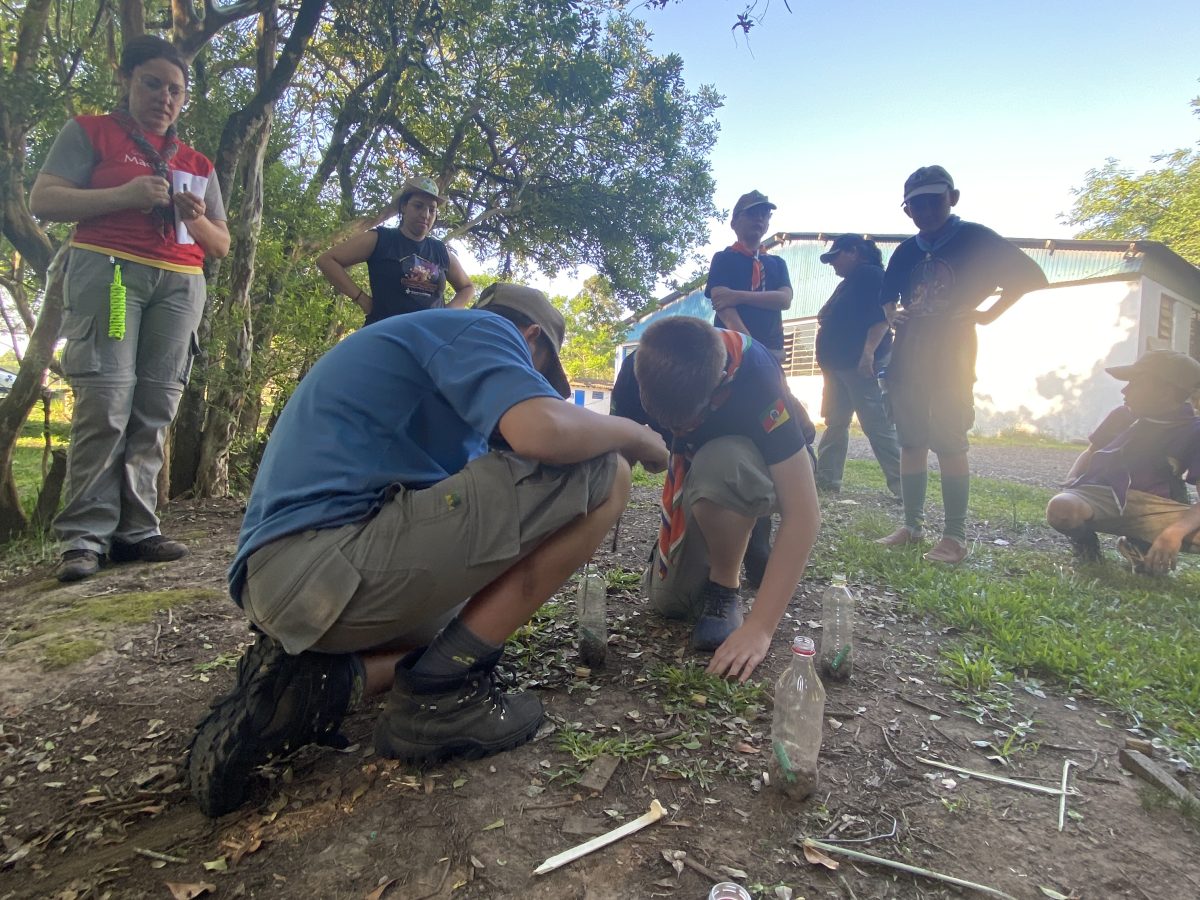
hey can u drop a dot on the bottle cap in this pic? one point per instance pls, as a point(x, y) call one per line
point(804, 646)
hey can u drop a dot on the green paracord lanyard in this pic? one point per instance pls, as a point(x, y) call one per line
point(116, 306)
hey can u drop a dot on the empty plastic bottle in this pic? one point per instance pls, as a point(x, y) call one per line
point(797, 723)
point(592, 605)
point(728, 890)
point(837, 630)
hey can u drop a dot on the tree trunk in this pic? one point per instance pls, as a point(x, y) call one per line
point(14, 409)
point(225, 403)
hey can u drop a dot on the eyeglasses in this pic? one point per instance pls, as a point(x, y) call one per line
point(154, 85)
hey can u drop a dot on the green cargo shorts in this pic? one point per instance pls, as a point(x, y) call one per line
point(400, 576)
point(731, 473)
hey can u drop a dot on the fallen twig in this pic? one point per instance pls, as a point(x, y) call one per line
point(701, 869)
point(905, 867)
point(874, 837)
point(655, 813)
point(160, 857)
point(1040, 788)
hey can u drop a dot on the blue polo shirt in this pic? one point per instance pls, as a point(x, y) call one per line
point(407, 402)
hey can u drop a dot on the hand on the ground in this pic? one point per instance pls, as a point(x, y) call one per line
point(147, 192)
point(741, 653)
point(1163, 553)
point(189, 206)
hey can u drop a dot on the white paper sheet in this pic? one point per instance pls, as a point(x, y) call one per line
point(192, 184)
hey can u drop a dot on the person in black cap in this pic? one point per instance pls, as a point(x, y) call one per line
point(940, 277)
point(854, 341)
point(749, 291)
point(1132, 478)
point(389, 543)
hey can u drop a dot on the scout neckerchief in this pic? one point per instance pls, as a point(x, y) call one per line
point(756, 270)
point(156, 160)
point(670, 534)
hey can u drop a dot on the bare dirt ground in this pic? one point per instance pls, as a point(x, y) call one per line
point(91, 803)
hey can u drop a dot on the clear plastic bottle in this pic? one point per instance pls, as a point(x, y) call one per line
point(592, 606)
point(797, 723)
point(837, 630)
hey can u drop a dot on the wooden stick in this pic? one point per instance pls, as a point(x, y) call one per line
point(1062, 801)
point(158, 857)
point(905, 867)
point(1040, 788)
point(655, 813)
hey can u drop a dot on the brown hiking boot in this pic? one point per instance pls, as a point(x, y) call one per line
point(76, 565)
point(948, 550)
point(157, 548)
point(902, 537)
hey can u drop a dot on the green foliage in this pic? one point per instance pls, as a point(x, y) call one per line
point(1162, 204)
point(594, 329)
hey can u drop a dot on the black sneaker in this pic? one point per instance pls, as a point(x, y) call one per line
point(280, 704)
point(158, 548)
point(1085, 546)
point(722, 616)
point(757, 552)
point(76, 565)
point(429, 719)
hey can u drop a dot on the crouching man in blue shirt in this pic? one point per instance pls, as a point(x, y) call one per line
point(388, 545)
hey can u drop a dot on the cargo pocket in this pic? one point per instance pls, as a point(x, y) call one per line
point(80, 356)
point(493, 520)
point(297, 588)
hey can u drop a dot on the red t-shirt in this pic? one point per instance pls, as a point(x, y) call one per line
point(115, 160)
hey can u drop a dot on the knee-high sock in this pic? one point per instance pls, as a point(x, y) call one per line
point(956, 492)
point(912, 491)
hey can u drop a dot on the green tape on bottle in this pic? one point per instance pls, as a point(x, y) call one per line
point(116, 306)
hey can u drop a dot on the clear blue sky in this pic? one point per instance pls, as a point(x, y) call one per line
point(829, 107)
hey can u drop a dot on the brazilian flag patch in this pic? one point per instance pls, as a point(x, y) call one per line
point(775, 415)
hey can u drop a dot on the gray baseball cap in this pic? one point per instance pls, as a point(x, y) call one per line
point(533, 304)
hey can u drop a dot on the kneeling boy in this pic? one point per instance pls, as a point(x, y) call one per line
point(739, 451)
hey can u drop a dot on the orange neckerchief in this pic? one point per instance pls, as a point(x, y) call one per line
point(756, 271)
point(670, 534)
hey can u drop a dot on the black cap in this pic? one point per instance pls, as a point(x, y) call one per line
point(843, 242)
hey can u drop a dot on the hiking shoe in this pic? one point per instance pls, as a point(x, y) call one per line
point(948, 550)
point(280, 704)
point(157, 548)
point(1085, 546)
point(1134, 552)
point(902, 536)
point(758, 551)
point(722, 616)
point(433, 718)
point(76, 565)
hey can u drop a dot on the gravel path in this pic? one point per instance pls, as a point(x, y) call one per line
point(1039, 466)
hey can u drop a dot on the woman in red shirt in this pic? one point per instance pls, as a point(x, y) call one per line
point(149, 210)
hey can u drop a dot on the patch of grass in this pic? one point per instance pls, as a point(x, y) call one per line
point(642, 478)
point(584, 747)
point(972, 671)
point(624, 579)
point(1128, 641)
point(682, 685)
point(108, 609)
point(27, 455)
point(64, 653)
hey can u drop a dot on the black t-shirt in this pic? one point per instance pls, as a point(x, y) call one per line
point(406, 275)
point(759, 407)
point(846, 318)
point(949, 282)
point(734, 270)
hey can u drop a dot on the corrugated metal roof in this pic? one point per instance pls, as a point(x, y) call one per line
point(1065, 262)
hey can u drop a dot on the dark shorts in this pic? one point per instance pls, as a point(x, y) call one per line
point(931, 387)
point(399, 577)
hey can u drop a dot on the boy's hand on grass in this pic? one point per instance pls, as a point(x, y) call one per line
point(741, 653)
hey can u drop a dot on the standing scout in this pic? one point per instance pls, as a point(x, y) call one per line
point(940, 276)
point(854, 342)
point(749, 291)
